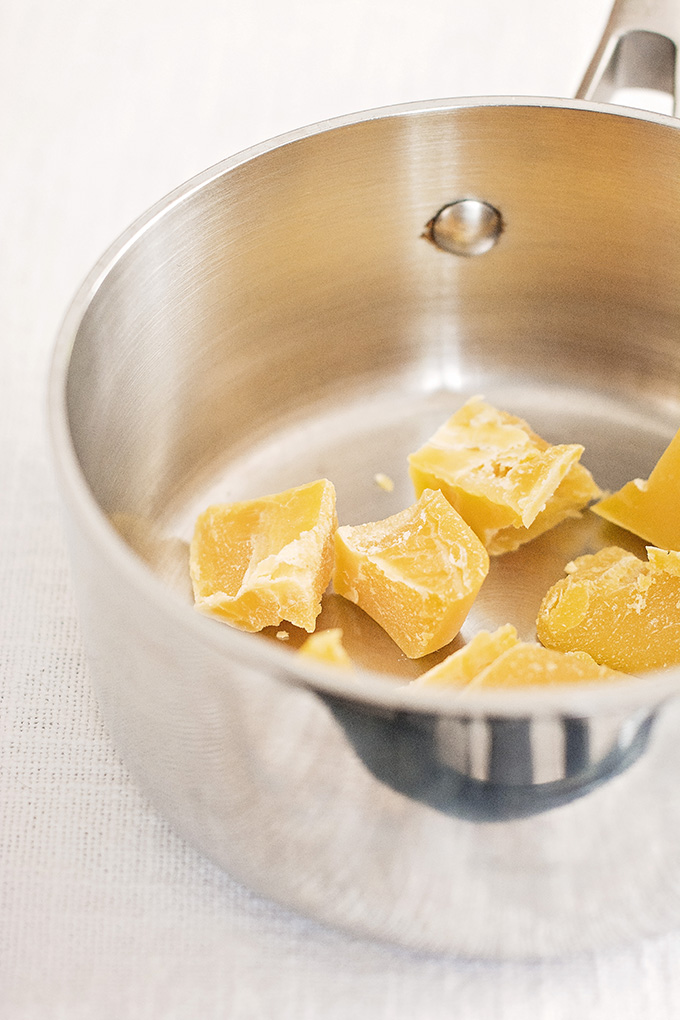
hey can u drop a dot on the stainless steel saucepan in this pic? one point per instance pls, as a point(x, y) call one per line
point(314, 307)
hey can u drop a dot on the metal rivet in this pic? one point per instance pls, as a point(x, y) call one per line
point(465, 227)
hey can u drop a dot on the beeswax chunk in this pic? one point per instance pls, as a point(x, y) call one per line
point(649, 508)
point(527, 664)
point(664, 559)
point(505, 481)
point(416, 573)
point(623, 611)
point(326, 646)
point(262, 561)
point(463, 665)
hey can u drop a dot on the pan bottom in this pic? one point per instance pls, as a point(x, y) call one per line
point(355, 442)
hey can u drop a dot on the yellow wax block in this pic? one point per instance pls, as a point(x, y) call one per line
point(574, 492)
point(262, 561)
point(649, 508)
point(527, 664)
point(623, 611)
point(463, 665)
point(505, 481)
point(416, 573)
point(326, 646)
point(664, 559)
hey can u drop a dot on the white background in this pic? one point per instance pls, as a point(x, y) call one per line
point(104, 107)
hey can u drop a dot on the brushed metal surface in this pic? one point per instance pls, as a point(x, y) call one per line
point(281, 318)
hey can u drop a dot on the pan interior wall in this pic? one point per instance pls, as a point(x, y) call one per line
point(294, 295)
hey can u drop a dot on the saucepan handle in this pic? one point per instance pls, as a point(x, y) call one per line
point(638, 49)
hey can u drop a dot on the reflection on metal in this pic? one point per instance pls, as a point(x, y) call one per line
point(489, 769)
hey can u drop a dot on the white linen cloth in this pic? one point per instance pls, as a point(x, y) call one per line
point(104, 911)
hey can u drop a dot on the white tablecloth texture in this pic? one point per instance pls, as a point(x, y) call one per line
point(104, 107)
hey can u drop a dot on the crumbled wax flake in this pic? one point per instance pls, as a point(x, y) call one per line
point(621, 610)
point(384, 482)
point(416, 573)
point(505, 481)
point(649, 507)
point(326, 646)
point(259, 562)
